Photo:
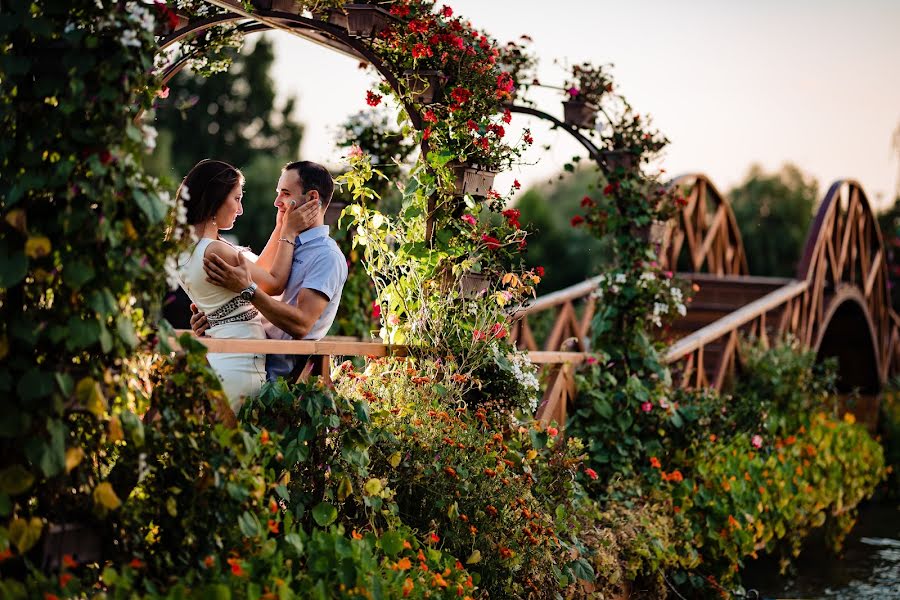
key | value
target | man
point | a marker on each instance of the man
(310, 300)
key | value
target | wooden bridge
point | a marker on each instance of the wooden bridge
(837, 305)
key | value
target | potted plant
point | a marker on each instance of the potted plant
(472, 179)
(425, 86)
(332, 15)
(620, 159)
(367, 20)
(585, 90)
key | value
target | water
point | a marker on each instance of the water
(867, 569)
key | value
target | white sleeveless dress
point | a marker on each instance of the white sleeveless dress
(229, 317)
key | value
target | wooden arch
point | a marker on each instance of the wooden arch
(707, 238)
(845, 249)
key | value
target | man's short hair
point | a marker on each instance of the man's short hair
(313, 176)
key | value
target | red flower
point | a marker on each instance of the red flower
(421, 51)
(586, 201)
(236, 567)
(539, 271)
(591, 473)
(478, 335)
(447, 11)
(505, 82)
(498, 331)
(209, 561)
(426, 134)
(492, 243)
(273, 526)
(433, 538)
(69, 562)
(376, 310)
(64, 579)
(430, 116)
(373, 99)
(516, 184)
(577, 220)
(460, 95)
(136, 563)
(552, 431)
(609, 189)
(528, 139)
(512, 216)
(400, 10)
(418, 26)
(106, 157)
(507, 116)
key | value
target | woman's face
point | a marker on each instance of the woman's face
(231, 208)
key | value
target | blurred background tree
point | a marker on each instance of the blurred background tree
(773, 212)
(568, 254)
(231, 116)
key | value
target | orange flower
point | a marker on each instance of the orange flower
(356, 535)
(433, 538)
(402, 565)
(654, 462)
(273, 526)
(264, 436)
(733, 523)
(491, 510)
(7, 553)
(49, 596)
(209, 562)
(438, 581)
(68, 561)
(407, 587)
(236, 567)
(450, 471)
(407, 545)
(712, 437)
(136, 563)
(273, 506)
(506, 552)
(552, 431)
(790, 440)
(676, 476)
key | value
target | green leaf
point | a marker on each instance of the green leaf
(362, 411)
(295, 543)
(13, 267)
(324, 514)
(24, 534)
(35, 384)
(392, 543)
(15, 479)
(152, 206)
(249, 524)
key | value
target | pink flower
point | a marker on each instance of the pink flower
(163, 92)
(591, 473)
(356, 151)
(552, 431)
(478, 335)
(469, 219)
(376, 310)
(756, 442)
(591, 360)
(572, 91)
(646, 407)
(498, 331)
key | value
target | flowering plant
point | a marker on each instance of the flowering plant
(517, 59)
(589, 84)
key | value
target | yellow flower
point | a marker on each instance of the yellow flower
(850, 418)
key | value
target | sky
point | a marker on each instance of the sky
(730, 82)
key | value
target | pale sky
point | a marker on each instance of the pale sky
(730, 82)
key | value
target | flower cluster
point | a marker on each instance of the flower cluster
(589, 84)
(651, 292)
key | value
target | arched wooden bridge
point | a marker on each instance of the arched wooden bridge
(838, 304)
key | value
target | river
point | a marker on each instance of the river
(868, 568)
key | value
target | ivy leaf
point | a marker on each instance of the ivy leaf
(15, 480)
(13, 267)
(105, 496)
(25, 534)
(324, 514)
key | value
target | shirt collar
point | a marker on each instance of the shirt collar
(313, 233)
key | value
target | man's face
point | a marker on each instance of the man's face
(289, 188)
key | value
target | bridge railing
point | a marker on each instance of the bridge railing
(559, 367)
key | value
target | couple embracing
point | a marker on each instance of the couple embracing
(291, 290)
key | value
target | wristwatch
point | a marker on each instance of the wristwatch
(248, 293)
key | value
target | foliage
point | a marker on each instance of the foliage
(889, 428)
(742, 498)
(517, 59)
(773, 212)
(889, 224)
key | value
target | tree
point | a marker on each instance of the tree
(569, 255)
(773, 212)
(231, 116)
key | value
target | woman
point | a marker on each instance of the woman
(212, 194)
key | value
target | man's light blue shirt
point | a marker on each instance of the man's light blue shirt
(318, 265)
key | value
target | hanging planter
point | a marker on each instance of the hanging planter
(367, 20)
(425, 87)
(579, 114)
(472, 285)
(288, 6)
(620, 159)
(333, 16)
(472, 180)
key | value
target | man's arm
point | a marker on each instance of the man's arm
(296, 321)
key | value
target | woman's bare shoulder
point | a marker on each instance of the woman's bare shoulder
(223, 250)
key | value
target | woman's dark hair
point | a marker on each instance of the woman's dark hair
(313, 176)
(208, 185)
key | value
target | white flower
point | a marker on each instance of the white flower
(681, 308)
(647, 276)
(614, 289)
(621, 278)
(150, 134)
(130, 38)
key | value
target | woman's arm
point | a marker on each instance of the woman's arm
(304, 217)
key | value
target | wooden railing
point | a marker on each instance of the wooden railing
(559, 367)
